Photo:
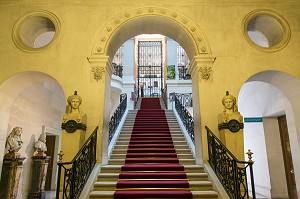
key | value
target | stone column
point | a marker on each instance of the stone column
(200, 69)
(100, 83)
(11, 174)
(39, 173)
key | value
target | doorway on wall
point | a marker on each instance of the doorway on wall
(287, 157)
(150, 76)
(50, 143)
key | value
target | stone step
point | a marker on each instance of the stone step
(178, 151)
(194, 186)
(126, 142)
(113, 177)
(123, 156)
(199, 182)
(187, 168)
(196, 195)
(116, 161)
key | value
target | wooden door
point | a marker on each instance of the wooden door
(287, 157)
(50, 142)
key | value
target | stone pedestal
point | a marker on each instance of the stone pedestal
(11, 174)
(234, 141)
(73, 137)
(39, 173)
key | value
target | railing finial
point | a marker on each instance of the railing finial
(249, 153)
(60, 155)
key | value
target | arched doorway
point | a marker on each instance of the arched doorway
(149, 20)
(265, 100)
(35, 102)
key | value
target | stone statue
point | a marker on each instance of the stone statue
(40, 146)
(230, 125)
(230, 110)
(13, 141)
(73, 112)
(74, 119)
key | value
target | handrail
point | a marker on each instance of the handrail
(77, 172)
(185, 117)
(231, 172)
(117, 116)
(164, 97)
(118, 70)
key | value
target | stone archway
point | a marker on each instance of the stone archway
(268, 95)
(36, 102)
(150, 20)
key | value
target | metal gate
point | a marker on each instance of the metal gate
(150, 71)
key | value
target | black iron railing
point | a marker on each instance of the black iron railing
(232, 173)
(118, 70)
(184, 115)
(182, 73)
(186, 99)
(164, 97)
(76, 173)
(117, 116)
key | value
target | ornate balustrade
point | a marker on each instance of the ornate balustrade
(182, 73)
(164, 97)
(75, 174)
(117, 116)
(184, 115)
(118, 70)
(234, 175)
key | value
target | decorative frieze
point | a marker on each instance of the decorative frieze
(101, 44)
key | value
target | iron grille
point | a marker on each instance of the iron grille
(150, 70)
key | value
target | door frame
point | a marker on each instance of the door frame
(57, 133)
(287, 157)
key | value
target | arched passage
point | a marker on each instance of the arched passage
(149, 20)
(35, 102)
(269, 95)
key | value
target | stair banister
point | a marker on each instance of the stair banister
(77, 172)
(117, 116)
(231, 172)
(184, 115)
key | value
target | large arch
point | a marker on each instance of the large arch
(149, 20)
(268, 95)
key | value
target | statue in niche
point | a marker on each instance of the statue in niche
(74, 118)
(40, 146)
(230, 118)
(14, 141)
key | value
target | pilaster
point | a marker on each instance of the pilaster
(200, 69)
(101, 71)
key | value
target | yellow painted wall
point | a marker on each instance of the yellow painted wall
(95, 29)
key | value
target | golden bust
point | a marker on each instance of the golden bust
(73, 111)
(230, 110)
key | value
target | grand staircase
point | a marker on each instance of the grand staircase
(109, 179)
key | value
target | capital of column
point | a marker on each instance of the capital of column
(201, 64)
(100, 64)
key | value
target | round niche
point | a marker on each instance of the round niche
(36, 31)
(266, 30)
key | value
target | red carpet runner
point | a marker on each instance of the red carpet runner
(151, 169)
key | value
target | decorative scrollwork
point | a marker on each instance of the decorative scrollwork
(231, 172)
(98, 73)
(77, 172)
(117, 116)
(182, 101)
(206, 71)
